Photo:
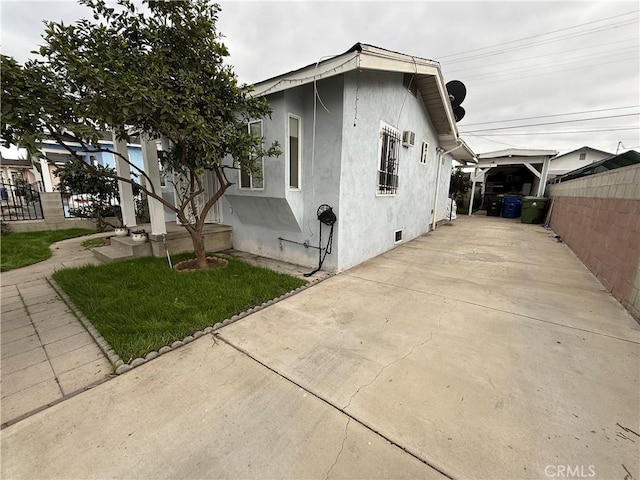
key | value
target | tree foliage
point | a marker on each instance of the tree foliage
(100, 192)
(460, 183)
(157, 71)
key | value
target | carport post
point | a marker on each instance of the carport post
(543, 177)
(473, 190)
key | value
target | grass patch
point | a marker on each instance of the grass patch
(26, 248)
(142, 305)
(94, 242)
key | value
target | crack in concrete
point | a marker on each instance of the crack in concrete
(346, 434)
(399, 359)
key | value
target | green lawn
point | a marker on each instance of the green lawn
(141, 305)
(26, 248)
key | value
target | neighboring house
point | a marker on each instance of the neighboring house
(370, 133)
(14, 168)
(567, 162)
(55, 156)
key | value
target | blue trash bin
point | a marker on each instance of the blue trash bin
(511, 206)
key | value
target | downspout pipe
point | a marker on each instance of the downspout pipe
(441, 154)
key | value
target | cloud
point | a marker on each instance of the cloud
(574, 73)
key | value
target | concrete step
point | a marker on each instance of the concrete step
(122, 248)
(110, 255)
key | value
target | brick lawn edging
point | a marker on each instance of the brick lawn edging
(121, 367)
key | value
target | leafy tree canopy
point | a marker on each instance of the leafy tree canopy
(460, 182)
(156, 70)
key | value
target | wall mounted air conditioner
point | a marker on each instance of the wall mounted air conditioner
(408, 138)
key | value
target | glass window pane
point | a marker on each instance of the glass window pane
(294, 134)
(257, 177)
(245, 179)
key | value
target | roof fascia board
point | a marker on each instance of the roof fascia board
(371, 61)
(444, 96)
(325, 69)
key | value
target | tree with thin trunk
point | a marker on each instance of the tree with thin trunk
(155, 71)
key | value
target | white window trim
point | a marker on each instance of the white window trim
(299, 187)
(251, 187)
(424, 153)
(377, 170)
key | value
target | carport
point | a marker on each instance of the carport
(518, 171)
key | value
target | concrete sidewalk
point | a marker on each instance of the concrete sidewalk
(47, 353)
(482, 350)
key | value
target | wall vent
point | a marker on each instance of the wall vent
(408, 138)
(398, 236)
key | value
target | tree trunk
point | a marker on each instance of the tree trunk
(198, 247)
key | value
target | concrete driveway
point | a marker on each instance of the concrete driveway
(482, 350)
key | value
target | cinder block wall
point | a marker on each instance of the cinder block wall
(53, 217)
(598, 217)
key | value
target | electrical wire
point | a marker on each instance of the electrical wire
(537, 44)
(511, 61)
(592, 59)
(553, 123)
(518, 77)
(557, 132)
(415, 68)
(552, 115)
(501, 44)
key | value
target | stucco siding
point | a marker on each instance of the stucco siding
(259, 217)
(368, 221)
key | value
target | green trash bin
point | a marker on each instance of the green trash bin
(533, 209)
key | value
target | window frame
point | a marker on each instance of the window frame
(261, 159)
(424, 153)
(388, 189)
(288, 140)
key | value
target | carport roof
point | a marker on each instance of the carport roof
(517, 152)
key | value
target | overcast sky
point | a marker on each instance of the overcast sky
(560, 61)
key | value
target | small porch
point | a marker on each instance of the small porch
(176, 239)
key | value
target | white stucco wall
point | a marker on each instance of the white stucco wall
(571, 161)
(368, 221)
(259, 217)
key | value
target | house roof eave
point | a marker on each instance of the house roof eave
(428, 77)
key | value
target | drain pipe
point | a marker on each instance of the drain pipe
(441, 154)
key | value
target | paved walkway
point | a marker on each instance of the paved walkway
(482, 350)
(47, 353)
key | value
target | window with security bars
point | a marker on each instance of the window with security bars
(388, 165)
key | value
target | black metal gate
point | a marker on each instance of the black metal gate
(20, 201)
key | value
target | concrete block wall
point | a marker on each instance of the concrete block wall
(54, 218)
(598, 217)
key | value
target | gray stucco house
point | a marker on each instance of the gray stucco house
(371, 133)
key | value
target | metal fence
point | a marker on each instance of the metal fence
(83, 205)
(20, 201)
